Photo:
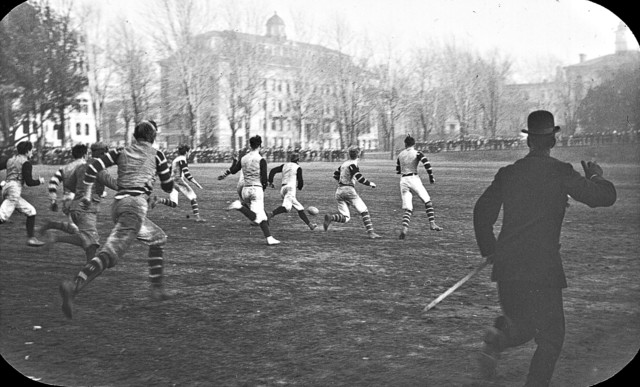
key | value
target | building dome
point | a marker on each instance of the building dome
(275, 27)
(275, 20)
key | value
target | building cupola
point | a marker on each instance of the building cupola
(275, 27)
(621, 38)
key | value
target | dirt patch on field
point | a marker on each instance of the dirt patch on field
(322, 308)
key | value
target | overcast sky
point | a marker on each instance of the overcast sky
(526, 30)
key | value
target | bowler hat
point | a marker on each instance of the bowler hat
(541, 122)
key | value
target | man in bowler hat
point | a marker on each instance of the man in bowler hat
(527, 267)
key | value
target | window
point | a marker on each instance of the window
(273, 125)
(78, 130)
(86, 129)
(25, 127)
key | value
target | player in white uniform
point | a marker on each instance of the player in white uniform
(291, 180)
(346, 194)
(180, 174)
(240, 184)
(410, 183)
(254, 170)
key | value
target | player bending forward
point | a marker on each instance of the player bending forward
(407, 167)
(180, 171)
(347, 174)
(137, 166)
(291, 180)
(19, 173)
(254, 170)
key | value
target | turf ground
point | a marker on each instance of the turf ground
(323, 308)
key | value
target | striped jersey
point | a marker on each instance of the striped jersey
(254, 169)
(180, 169)
(137, 166)
(62, 176)
(408, 162)
(348, 173)
(291, 174)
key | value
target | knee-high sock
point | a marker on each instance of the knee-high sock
(406, 219)
(431, 215)
(248, 213)
(90, 252)
(31, 224)
(91, 270)
(73, 239)
(156, 264)
(366, 219)
(194, 207)
(338, 218)
(167, 202)
(279, 210)
(303, 216)
(264, 226)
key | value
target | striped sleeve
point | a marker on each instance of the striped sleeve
(184, 167)
(427, 165)
(355, 172)
(54, 182)
(107, 160)
(164, 172)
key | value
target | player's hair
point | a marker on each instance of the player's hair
(409, 141)
(23, 147)
(541, 142)
(354, 153)
(145, 131)
(183, 149)
(79, 150)
(294, 157)
(255, 141)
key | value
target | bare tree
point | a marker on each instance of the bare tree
(493, 72)
(427, 90)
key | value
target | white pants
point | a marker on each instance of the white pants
(253, 197)
(410, 185)
(181, 186)
(11, 193)
(346, 196)
(289, 199)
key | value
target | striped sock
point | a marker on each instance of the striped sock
(194, 207)
(156, 264)
(430, 212)
(338, 218)
(366, 219)
(167, 202)
(406, 219)
(91, 270)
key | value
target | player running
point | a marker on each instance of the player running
(19, 172)
(410, 183)
(79, 153)
(346, 175)
(180, 171)
(254, 169)
(137, 166)
(291, 180)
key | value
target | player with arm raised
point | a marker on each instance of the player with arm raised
(234, 163)
(346, 175)
(291, 180)
(180, 172)
(410, 183)
(254, 169)
(137, 165)
(19, 172)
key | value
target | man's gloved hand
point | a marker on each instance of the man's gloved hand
(591, 169)
(221, 177)
(372, 185)
(54, 206)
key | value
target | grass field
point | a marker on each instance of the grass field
(323, 308)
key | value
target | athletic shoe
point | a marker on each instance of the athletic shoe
(327, 222)
(159, 294)
(373, 235)
(313, 226)
(154, 202)
(67, 291)
(402, 235)
(434, 226)
(34, 242)
(272, 241)
(235, 205)
(200, 220)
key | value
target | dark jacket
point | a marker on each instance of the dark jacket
(533, 195)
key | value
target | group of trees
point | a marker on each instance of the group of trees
(41, 69)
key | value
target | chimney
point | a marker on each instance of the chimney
(583, 57)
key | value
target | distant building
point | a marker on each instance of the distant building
(272, 110)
